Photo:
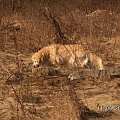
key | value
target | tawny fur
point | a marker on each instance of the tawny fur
(74, 55)
(94, 61)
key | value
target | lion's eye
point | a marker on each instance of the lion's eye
(35, 61)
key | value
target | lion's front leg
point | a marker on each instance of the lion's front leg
(72, 61)
(54, 59)
(85, 62)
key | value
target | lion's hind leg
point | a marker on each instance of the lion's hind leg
(100, 64)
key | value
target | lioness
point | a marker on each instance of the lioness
(74, 55)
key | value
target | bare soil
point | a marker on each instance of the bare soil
(43, 93)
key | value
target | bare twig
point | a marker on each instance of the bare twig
(60, 37)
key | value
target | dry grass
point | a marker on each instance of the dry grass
(43, 93)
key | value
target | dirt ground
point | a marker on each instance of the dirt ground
(42, 95)
(46, 93)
